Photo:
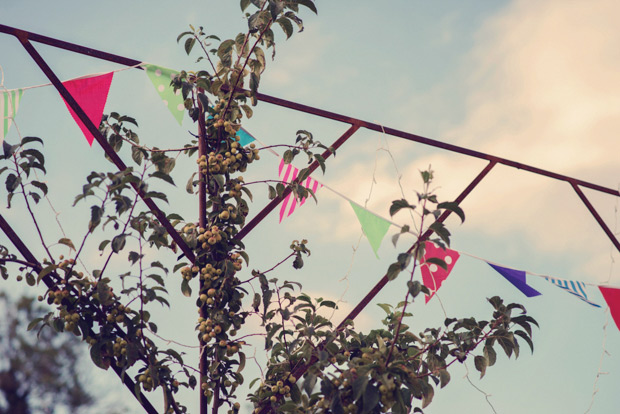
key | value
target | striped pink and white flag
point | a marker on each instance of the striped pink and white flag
(287, 173)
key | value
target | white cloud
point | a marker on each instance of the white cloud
(544, 90)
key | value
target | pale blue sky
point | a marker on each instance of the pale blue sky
(537, 82)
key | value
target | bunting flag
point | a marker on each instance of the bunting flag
(432, 274)
(245, 137)
(612, 297)
(574, 287)
(9, 103)
(161, 78)
(374, 227)
(517, 278)
(91, 94)
(288, 173)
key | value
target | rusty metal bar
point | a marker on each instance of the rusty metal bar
(373, 292)
(428, 141)
(298, 371)
(104, 144)
(597, 217)
(203, 363)
(23, 34)
(29, 257)
(276, 201)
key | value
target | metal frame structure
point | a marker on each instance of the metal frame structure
(26, 38)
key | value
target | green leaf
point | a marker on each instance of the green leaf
(527, 339)
(481, 364)
(118, 243)
(286, 25)
(96, 213)
(244, 4)
(33, 323)
(162, 176)
(415, 288)
(453, 207)
(437, 261)
(45, 271)
(189, 44)
(137, 155)
(444, 377)
(189, 187)
(12, 182)
(156, 194)
(308, 3)
(31, 139)
(441, 231)
(103, 244)
(95, 355)
(490, 355)
(398, 205)
(41, 186)
(370, 398)
(393, 271)
(428, 396)
(187, 291)
(34, 153)
(67, 242)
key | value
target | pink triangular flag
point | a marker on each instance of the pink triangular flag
(612, 297)
(288, 173)
(433, 275)
(91, 94)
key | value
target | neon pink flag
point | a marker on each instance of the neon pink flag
(612, 297)
(288, 173)
(433, 275)
(91, 94)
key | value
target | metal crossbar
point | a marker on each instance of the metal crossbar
(25, 38)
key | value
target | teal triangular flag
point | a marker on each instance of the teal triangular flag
(374, 227)
(161, 78)
(245, 137)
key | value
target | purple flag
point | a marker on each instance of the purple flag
(517, 278)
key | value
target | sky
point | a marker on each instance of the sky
(534, 82)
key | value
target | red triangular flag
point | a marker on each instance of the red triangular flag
(91, 94)
(612, 297)
(433, 275)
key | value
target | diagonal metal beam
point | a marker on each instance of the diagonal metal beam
(276, 201)
(104, 143)
(300, 370)
(431, 142)
(22, 34)
(72, 47)
(50, 283)
(597, 216)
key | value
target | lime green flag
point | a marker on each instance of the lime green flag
(9, 103)
(374, 227)
(161, 78)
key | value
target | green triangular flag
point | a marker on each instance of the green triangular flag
(161, 78)
(374, 227)
(9, 103)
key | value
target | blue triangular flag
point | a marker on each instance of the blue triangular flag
(517, 278)
(245, 137)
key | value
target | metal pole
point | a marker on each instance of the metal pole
(202, 222)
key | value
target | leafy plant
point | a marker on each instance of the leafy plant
(313, 367)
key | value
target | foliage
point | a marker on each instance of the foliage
(313, 367)
(38, 371)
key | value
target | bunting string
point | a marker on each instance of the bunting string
(71, 79)
(374, 226)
